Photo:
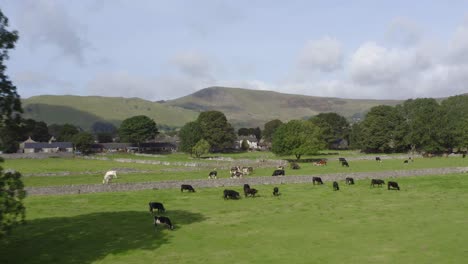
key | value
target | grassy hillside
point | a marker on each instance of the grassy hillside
(85, 110)
(254, 107)
(242, 107)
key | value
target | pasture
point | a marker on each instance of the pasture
(425, 222)
(69, 171)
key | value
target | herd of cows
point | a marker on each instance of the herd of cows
(238, 172)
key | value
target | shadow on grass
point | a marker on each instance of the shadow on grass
(88, 238)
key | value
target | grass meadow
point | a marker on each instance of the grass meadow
(425, 222)
(148, 172)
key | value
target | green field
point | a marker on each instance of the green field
(425, 222)
(76, 167)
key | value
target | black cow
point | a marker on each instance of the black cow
(278, 173)
(155, 205)
(186, 187)
(335, 186)
(276, 191)
(317, 180)
(231, 194)
(349, 181)
(377, 182)
(294, 166)
(464, 155)
(378, 159)
(246, 188)
(252, 192)
(162, 220)
(344, 163)
(213, 175)
(341, 159)
(405, 162)
(393, 185)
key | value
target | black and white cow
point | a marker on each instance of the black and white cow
(391, 185)
(162, 220)
(231, 194)
(186, 187)
(278, 173)
(377, 182)
(156, 205)
(349, 180)
(317, 180)
(213, 175)
(276, 191)
(335, 186)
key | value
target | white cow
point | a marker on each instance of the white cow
(109, 176)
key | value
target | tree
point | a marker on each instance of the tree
(270, 128)
(103, 127)
(67, 132)
(426, 124)
(455, 112)
(83, 142)
(189, 136)
(10, 104)
(202, 147)
(12, 210)
(38, 131)
(297, 137)
(137, 129)
(104, 137)
(382, 130)
(216, 130)
(245, 145)
(333, 126)
(243, 132)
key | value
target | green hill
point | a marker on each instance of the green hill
(243, 107)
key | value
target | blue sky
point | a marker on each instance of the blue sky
(159, 50)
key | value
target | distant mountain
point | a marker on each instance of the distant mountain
(243, 107)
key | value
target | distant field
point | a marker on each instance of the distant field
(425, 222)
(76, 167)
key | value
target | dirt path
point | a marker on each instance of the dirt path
(120, 187)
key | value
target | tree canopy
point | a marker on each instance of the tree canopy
(83, 142)
(216, 130)
(137, 129)
(189, 135)
(297, 137)
(333, 127)
(270, 128)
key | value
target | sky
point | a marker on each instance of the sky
(161, 50)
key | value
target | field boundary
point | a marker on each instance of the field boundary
(121, 187)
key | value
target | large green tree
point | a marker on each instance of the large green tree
(202, 147)
(333, 126)
(427, 126)
(189, 135)
(137, 129)
(216, 130)
(67, 132)
(297, 137)
(382, 130)
(455, 111)
(83, 142)
(38, 131)
(270, 128)
(10, 104)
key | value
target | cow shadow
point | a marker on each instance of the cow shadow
(90, 237)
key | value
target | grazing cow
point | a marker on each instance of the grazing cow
(294, 166)
(345, 164)
(276, 191)
(186, 187)
(405, 162)
(237, 174)
(109, 176)
(320, 163)
(349, 181)
(317, 180)
(247, 170)
(246, 188)
(162, 220)
(393, 185)
(156, 205)
(278, 173)
(252, 192)
(464, 155)
(213, 175)
(341, 159)
(377, 182)
(335, 186)
(231, 194)
(378, 159)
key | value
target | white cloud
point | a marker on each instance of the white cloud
(194, 65)
(404, 31)
(324, 54)
(47, 22)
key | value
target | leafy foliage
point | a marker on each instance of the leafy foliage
(189, 135)
(202, 147)
(333, 127)
(12, 210)
(270, 128)
(83, 142)
(104, 137)
(137, 129)
(67, 132)
(216, 130)
(244, 145)
(297, 137)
